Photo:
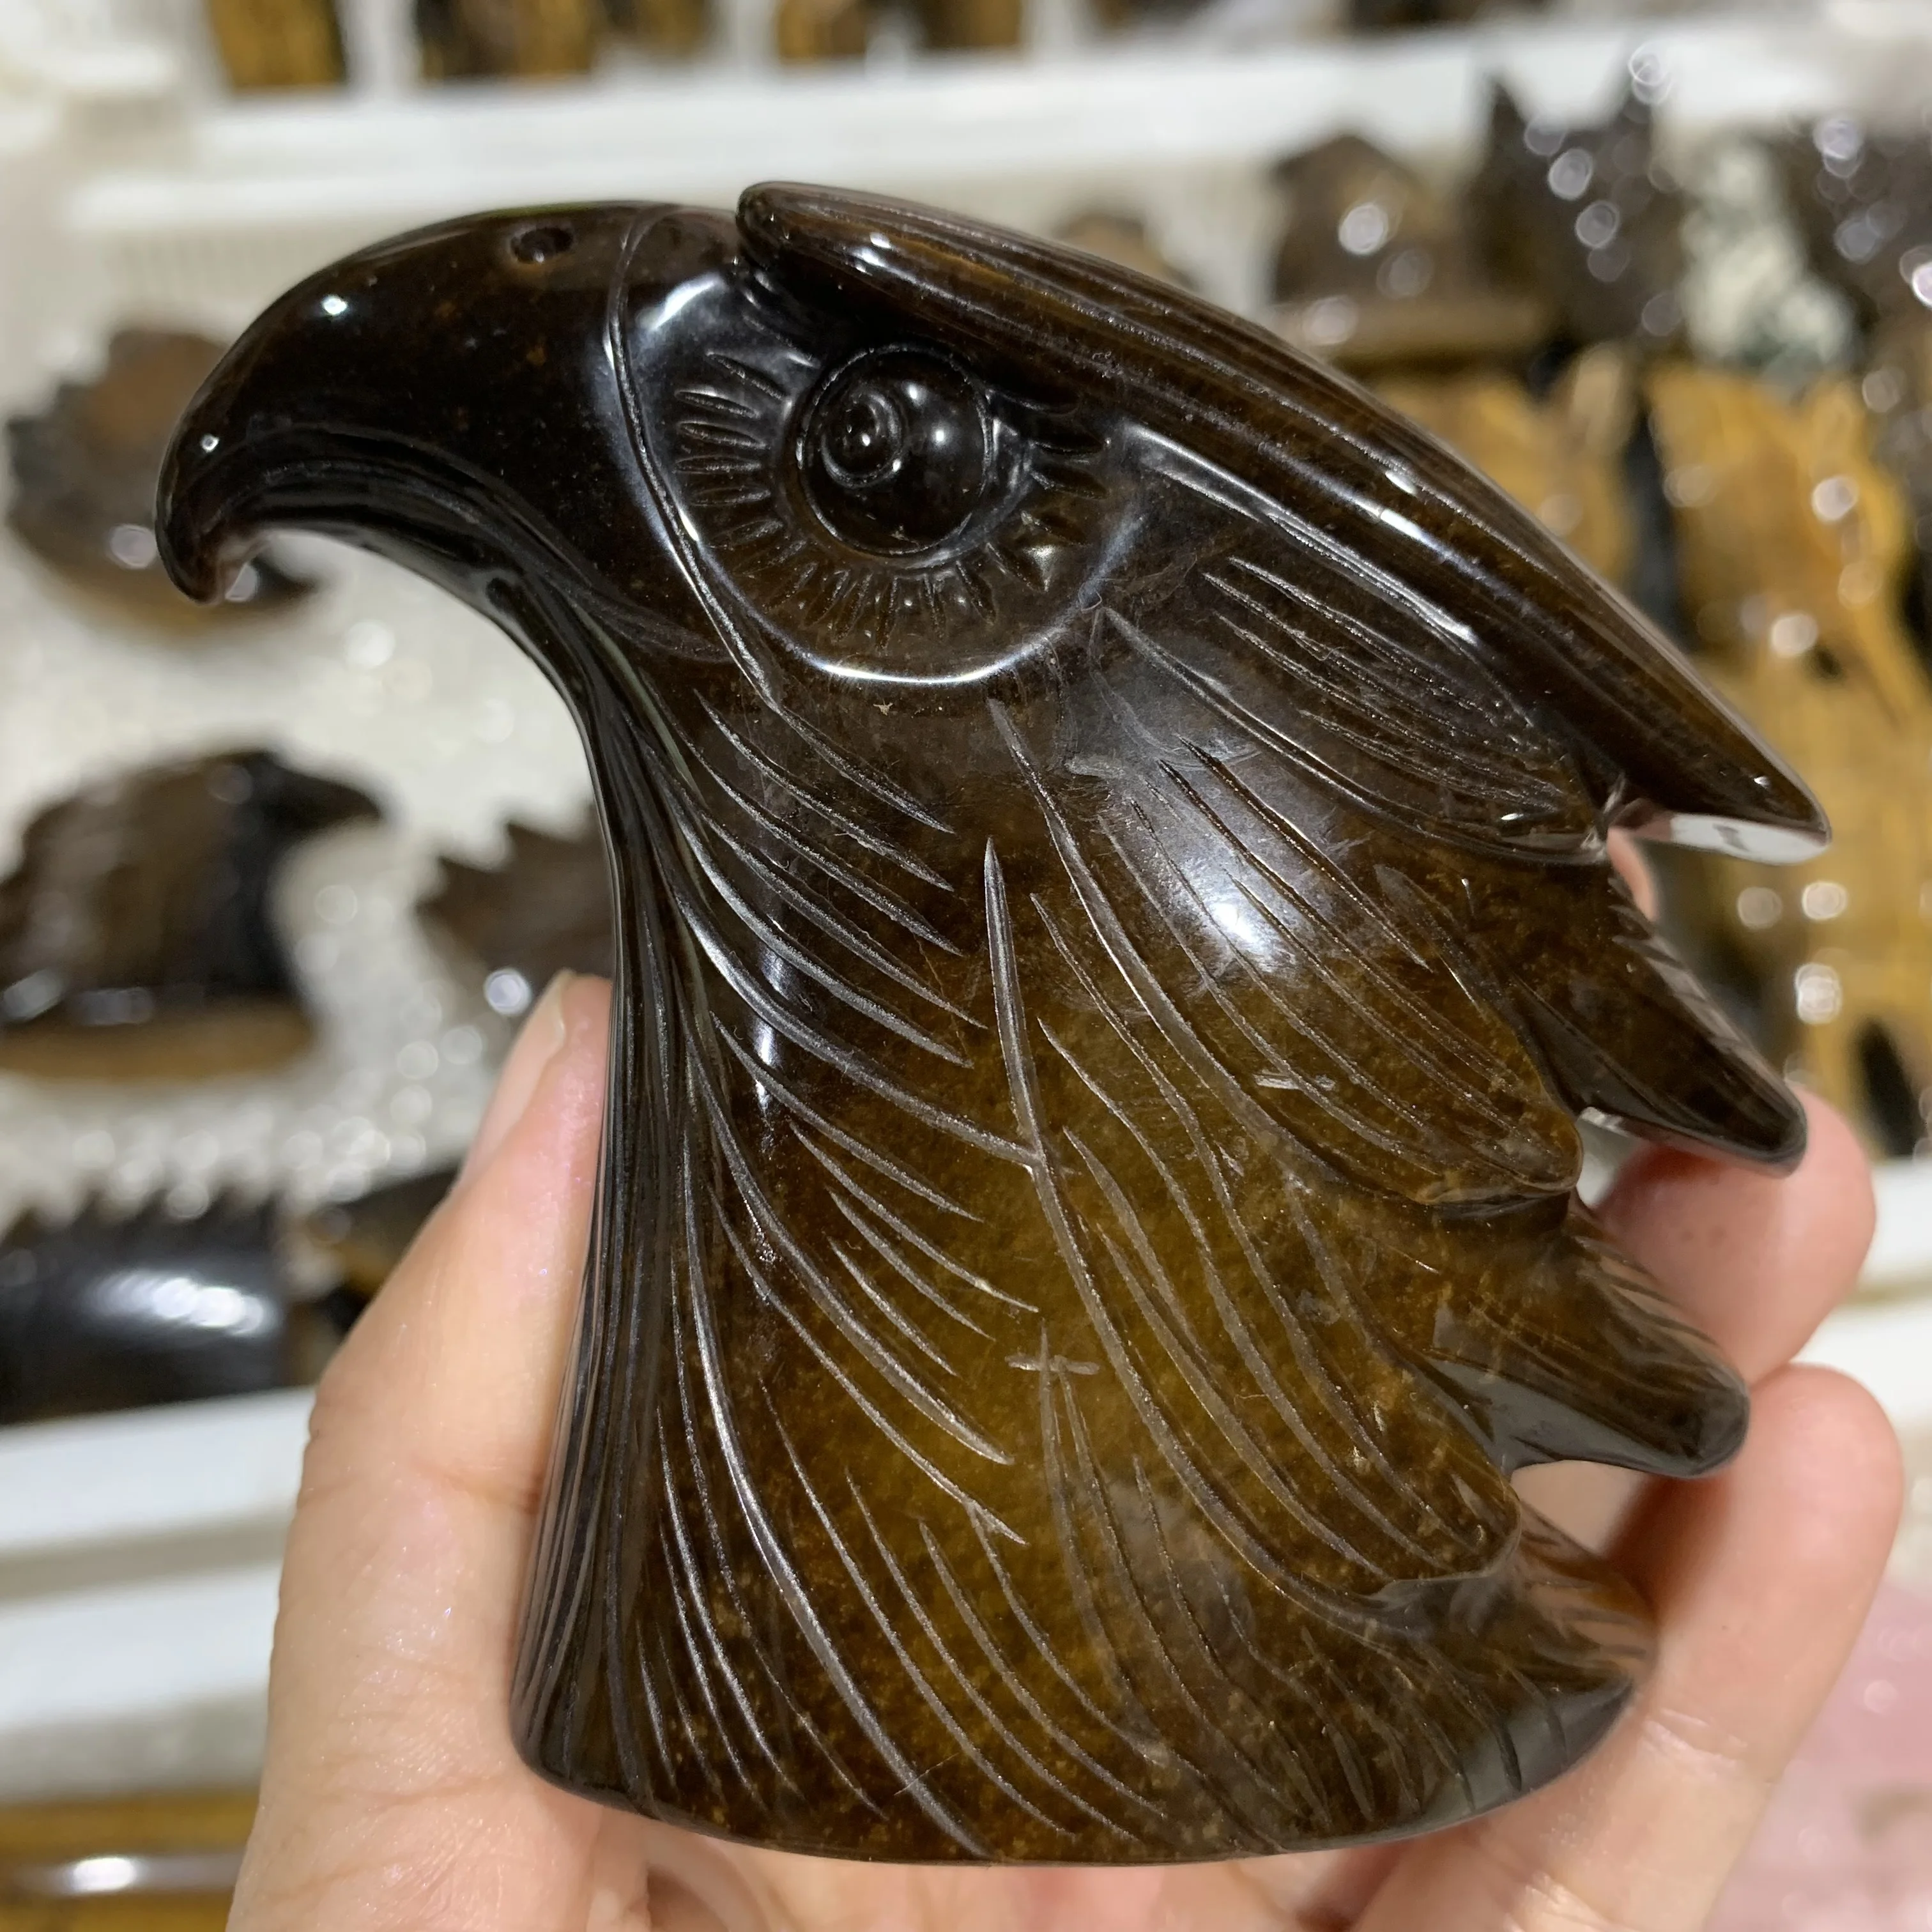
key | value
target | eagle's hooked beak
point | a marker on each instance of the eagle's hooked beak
(451, 399)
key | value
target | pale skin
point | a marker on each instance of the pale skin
(392, 1800)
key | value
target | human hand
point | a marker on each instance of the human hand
(392, 1797)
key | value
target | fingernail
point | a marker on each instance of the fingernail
(543, 1035)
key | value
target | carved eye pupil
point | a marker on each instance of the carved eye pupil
(895, 453)
(865, 441)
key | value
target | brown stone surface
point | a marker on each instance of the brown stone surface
(1792, 545)
(1114, 931)
(135, 941)
(85, 469)
(545, 910)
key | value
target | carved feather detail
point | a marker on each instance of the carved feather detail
(1113, 928)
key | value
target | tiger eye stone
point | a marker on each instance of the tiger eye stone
(1109, 957)
(1376, 270)
(84, 468)
(111, 1311)
(136, 939)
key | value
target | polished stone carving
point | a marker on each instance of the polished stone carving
(84, 473)
(110, 1311)
(1375, 269)
(136, 936)
(1586, 216)
(1113, 932)
(545, 910)
(1792, 543)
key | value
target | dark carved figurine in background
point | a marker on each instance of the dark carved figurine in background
(1113, 932)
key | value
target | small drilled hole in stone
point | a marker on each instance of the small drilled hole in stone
(542, 244)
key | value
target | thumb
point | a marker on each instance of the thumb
(391, 1794)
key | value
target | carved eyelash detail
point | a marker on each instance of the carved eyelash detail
(737, 430)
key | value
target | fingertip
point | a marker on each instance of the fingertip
(1811, 1507)
(1755, 1260)
(1837, 1457)
(1627, 856)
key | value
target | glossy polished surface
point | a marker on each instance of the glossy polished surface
(1376, 270)
(136, 936)
(108, 1311)
(545, 910)
(84, 473)
(1113, 931)
(1586, 217)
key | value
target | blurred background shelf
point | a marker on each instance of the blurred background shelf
(160, 200)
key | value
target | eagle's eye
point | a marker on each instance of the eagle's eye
(895, 452)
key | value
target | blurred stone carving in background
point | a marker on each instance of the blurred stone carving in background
(270, 43)
(1750, 298)
(470, 40)
(546, 911)
(671, 28)
(1376, 269)
(1586, 217)
(105, 1312)
(136, 936)
(84, 469)
(818, 30)
(1864, 198)
(1792, 543)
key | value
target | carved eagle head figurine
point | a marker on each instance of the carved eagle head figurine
(1107, 828)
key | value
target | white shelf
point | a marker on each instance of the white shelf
(137, 1687)
(219, 212)
(139, 1561)
(159, 1477)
